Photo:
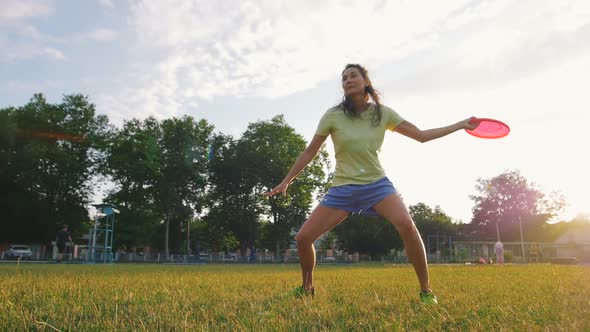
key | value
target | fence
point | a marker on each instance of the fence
(464, 253)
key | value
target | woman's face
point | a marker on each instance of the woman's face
(353, 82)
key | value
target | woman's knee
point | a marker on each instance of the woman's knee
(303, 239)
(406, 226)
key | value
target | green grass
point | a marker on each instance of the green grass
(244, 297)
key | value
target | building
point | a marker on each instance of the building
(574, 243)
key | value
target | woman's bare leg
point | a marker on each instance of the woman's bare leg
(393, 209)
(321, 220)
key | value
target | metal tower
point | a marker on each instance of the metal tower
(100, 241)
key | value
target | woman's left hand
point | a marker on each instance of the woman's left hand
(469, 123)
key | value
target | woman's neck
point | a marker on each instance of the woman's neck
(358, 103)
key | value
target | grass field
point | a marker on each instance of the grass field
(252, 297)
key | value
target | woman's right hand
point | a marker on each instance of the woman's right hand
(308, 154)
(280, 189)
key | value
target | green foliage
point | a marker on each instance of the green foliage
(374, 236)
(328, 242)
(509, 199)
(431, 221)
(49, 154)
(553, 231)
(508, 256)
(165, 173)
(134, 164)
(183, 178)
(160, 169)
(270, 148)
(212, 236)
(235, 204)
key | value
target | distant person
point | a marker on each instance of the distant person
(357, 127)
(499, 247)
(62, 237)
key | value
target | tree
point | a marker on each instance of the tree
(234, 203)
(49, 154)
(328, 242)
(507, 202)
(161, 172)
(8, 130)
(210, 235)
(134, 163)
(374, 236)
(431, 221)
(183, 179)
(271, 148)
(554, 231)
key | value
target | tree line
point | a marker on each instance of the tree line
(179, 184)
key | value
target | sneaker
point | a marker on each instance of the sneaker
(301, 292)
(428, 297)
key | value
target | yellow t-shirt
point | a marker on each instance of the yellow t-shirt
(357, 143)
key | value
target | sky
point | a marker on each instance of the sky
(525, 62)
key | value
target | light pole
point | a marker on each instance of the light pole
(521, 237)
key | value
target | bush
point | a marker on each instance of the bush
(508, 256)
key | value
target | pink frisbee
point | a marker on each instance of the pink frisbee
(489, 128)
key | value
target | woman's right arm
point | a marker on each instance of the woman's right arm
(305, 158)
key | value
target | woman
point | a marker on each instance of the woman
(357, 128)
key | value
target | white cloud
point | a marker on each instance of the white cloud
(203, 49)
(38, 85)
(52, 52)
(21, 40)
(207, 49)
(16, 10)
(103, 34)
(30, 51)
(106, 3)
(277, 48)
(492, 43)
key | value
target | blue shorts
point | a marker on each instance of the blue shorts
(359, 198)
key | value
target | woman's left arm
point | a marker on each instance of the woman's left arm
(406, 128)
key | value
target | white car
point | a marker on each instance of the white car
(16, 251)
